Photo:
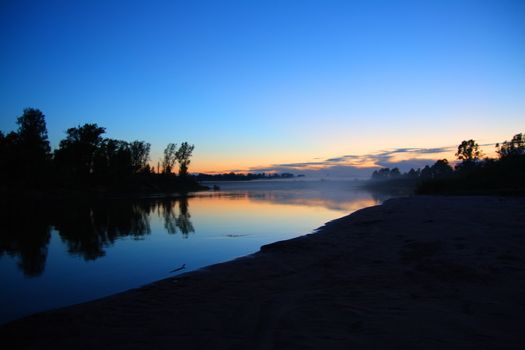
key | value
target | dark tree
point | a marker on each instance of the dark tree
(31, 151)
(441, 169)
(468, 151)
(32, 133)
(183, 157)
(170, 157)
(112, 160)
(395, 173)
(514, 147)
(381, 174)
(3, 158)
(9, 158)
(85, 160)
(76, 153)
(413, 174)
(139, 156)
(426, 173)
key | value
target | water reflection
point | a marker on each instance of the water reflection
(25, 234)
(86, 227)
(340, 195)
(183, 220)
(58, 253)
(173, 220)
(89, 227)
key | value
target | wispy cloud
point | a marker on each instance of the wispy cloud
(362, 165)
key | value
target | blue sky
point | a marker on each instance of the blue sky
(258, 84)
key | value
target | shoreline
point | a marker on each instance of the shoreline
(416, 272)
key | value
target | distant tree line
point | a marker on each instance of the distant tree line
(473, 174)
(241, 177)
(440, 169)
(84, 159)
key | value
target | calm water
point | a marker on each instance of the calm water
(57, 254)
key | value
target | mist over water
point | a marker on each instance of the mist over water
(339, 195)
(58, 253)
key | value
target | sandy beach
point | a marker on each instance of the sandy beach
(413, 273)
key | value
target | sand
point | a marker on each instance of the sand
(413, 273)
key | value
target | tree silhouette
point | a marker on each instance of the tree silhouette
(9, 158)
(85, 160)
(414, 174)
(139, 155)
(4, 158)
(77, 151)
(441, 169)
(183, 157)
(32, 131)
(170, 157)
(468, 151)
(395, 172)
(426, 173)
(112, 160)
(381, 174)
(30, 146)
(514, 147)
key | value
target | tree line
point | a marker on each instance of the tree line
(473, 172)
(242, 177)
(439, 169)
(84, 158)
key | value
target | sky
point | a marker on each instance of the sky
(316, 87)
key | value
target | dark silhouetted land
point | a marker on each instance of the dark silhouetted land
(413, 273)
(472, 175)
(242, 177)
(86, 163)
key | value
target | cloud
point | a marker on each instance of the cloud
(343, 158)
(352, 165)
(418, 150)
(305, 164)
(435, 150)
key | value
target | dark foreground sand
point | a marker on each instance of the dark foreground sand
(414, 273)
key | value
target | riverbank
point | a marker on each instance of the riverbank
(420, 272)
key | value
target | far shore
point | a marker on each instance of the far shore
(414, 273)
(97, 193)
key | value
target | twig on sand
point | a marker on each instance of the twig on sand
(180, 268)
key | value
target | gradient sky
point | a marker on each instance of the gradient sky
(271, 84)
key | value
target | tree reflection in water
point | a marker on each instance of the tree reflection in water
(87, 227)
(183, 221)
(25, 233)
(174, 221)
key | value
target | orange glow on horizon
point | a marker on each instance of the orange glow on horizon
(243, 164)
(242, 203)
